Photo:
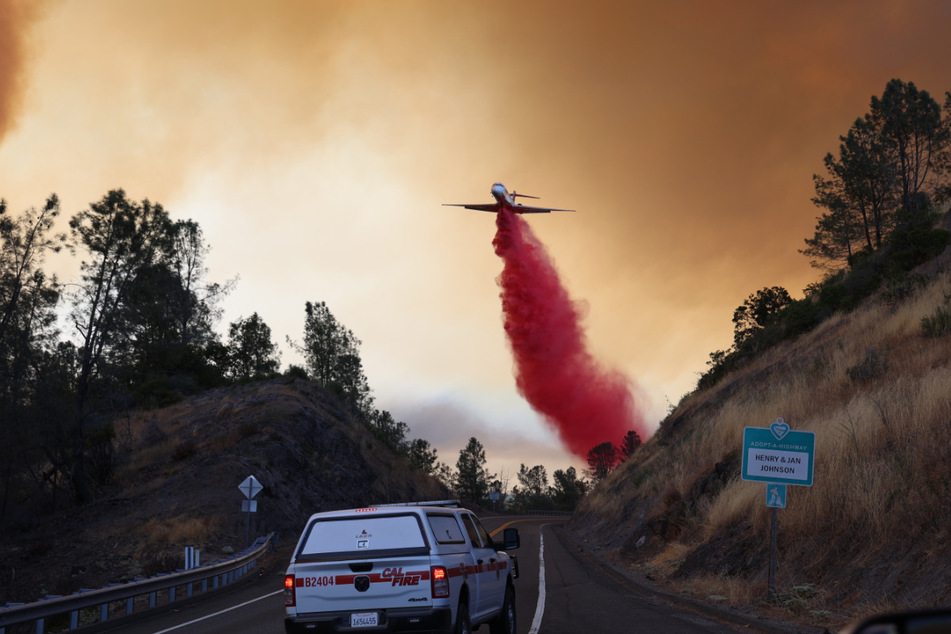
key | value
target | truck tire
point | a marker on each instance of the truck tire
(504, 623)
(463, 626)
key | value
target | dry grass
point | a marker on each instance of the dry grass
(877, 394)
(180, 530)
(722, 589)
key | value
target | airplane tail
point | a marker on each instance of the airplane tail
(517, 195)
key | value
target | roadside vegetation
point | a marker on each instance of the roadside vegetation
(863, 359)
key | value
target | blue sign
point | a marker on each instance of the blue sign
(776, 496)
(779, 455)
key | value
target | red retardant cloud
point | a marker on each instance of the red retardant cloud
(586, 403)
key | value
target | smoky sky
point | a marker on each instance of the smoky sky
(315, 142)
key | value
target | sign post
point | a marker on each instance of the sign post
(250, 486)
(778, 456)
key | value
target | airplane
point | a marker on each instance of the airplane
(505, 200)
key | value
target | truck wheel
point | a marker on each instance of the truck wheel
(504, 623)
(463, 626)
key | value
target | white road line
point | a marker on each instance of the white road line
(210, 616)
(540, 606)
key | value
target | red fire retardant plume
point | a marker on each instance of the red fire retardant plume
(586, 403)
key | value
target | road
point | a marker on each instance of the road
(579, 595)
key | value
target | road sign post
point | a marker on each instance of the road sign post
(778, 456)
(250, 486)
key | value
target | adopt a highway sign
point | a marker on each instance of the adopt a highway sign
(779, 455)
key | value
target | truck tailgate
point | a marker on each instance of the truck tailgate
(330, 586)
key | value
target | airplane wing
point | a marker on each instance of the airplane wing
(524, 209)
(493, 207)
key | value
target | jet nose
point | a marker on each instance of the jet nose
(498, 190)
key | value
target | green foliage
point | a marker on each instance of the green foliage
(756, 315)
(601, 460)
(872, 367)
(332, 355)
(568, 489)
(938, 323)
(902, 287)
(422, 456)
(251, 354)
(389, 431)
(471, 478)
(534, 483)
(296, 372)
(917, 246)
(629, 444)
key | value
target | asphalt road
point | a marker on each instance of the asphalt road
(579, 596)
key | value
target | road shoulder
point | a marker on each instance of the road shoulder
(638, 583)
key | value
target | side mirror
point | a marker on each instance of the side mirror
(510, 539)
(926, 622)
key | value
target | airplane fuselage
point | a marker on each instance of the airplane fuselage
(502, 195)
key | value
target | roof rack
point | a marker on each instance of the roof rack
(427, 503)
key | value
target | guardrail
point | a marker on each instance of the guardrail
(208, 577)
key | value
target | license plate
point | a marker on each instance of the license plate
(364, 619)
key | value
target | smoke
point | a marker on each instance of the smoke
(16, 16)
(586, 403)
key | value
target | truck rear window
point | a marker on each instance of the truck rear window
(446, 529)
(380, 536)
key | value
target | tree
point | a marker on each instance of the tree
(28, 298)
(629, 445)
(199, 306)
(756, 313)
(332, 355)
(251, 353)
(389, 431)
(887, 174)
(915, 135)
(121, 238)
(444, 474)
(859, 194)
(422, 457)
(535, 485)
(568, 489)
(601, 460)
(170, 346)
(472, 479)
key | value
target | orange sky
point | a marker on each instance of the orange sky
(314, 142)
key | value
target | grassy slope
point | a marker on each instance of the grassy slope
(873, 533)
(176, 485)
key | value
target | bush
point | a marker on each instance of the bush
(903, 287)
(917, 246)
(938, 323)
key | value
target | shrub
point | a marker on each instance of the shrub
(938, 323)
(873, 366)
(917, 246)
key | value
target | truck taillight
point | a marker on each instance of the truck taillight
(440, 579)
(290, 594)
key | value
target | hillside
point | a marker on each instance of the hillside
(177, 485)
(874, 531)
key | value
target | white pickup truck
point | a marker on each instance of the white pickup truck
(425, 567)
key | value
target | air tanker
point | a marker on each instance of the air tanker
(506, 200)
